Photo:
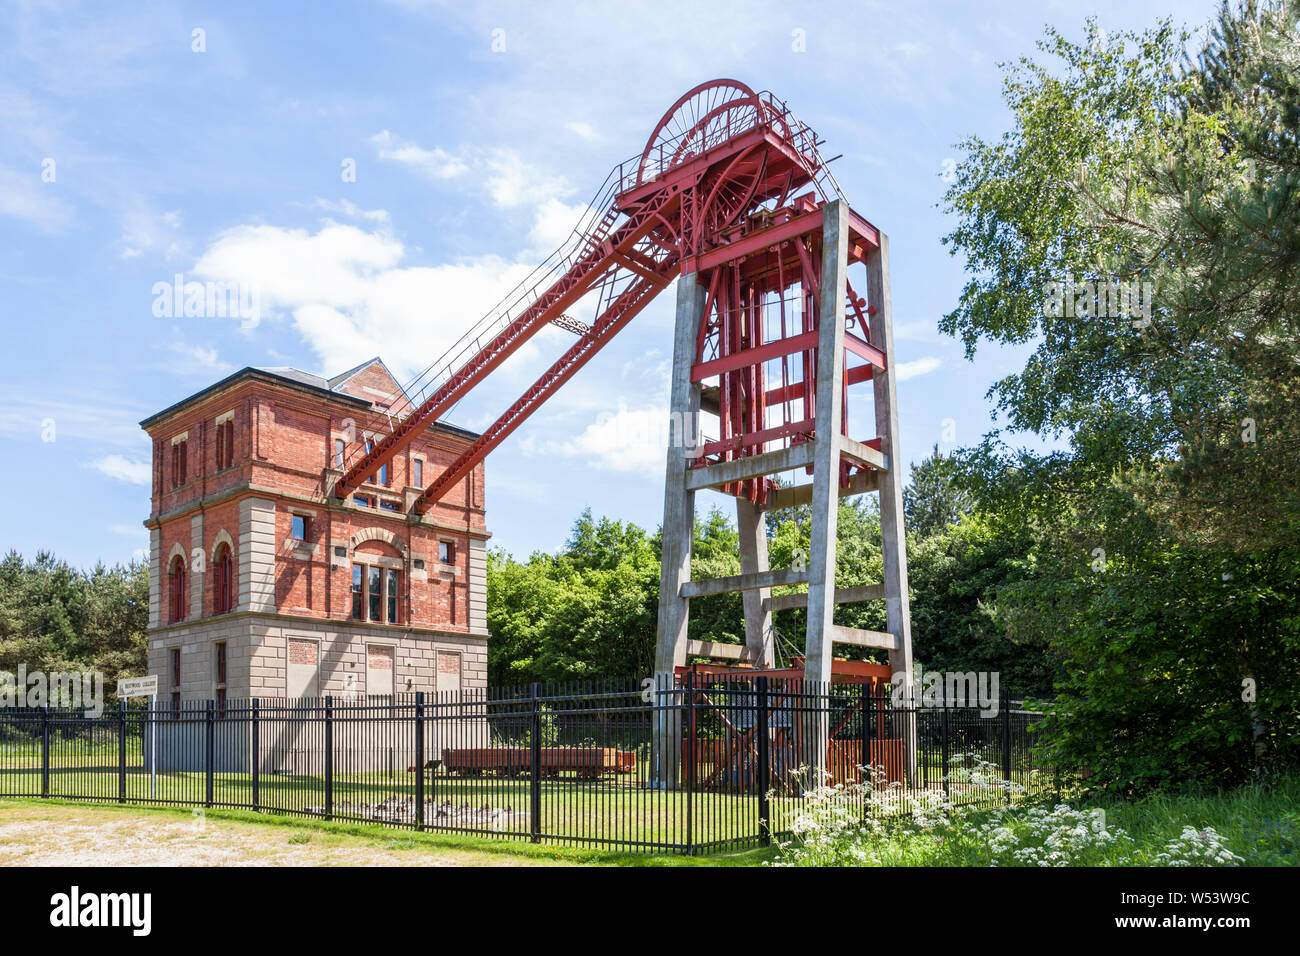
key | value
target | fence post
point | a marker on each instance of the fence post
(45, 751)
(689, 758)
(1006, 745)
(329, 757)
(764, 771)
(535, 767)
(944, 745)
(419, 759)
(208, 754)
(257, 754)
(121, 751)
(864, 735)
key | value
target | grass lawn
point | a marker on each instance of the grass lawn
(613, 807)
(44, 833)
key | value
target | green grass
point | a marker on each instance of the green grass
(618, 809)
(1262, 826)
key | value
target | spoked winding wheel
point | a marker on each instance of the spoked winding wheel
(702, 118)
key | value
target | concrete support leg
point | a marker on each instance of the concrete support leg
(678, 533)
(760, 641)
(898, 616)
(825, 493)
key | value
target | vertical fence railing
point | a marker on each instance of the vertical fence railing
(255, 751)
(209, 752)
(764, 770)
(420, 761)
(121, 751)
(702, 763)
(534, 764)
(689, 748)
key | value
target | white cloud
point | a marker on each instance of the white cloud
(190, 359)
(129, 530)
(512, 181)
(86, 414)
(629, 440)
(508, 179)
(350, 296)
(437, 162)
(145, 229)
(347, 207)
(922, 366)
(24, 196)
(553, 223)
(582, 130)
(917, 331)
(123, 469)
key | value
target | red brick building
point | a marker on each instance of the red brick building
(263, 584)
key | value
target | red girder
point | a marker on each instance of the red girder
(624, 308)
(568, 289)
(711, 193)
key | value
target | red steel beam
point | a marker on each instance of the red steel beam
(611, 321)
(737, 442)
(863, 349)
(756, 242)
(775, 349)
(793, 392)
(563, 293)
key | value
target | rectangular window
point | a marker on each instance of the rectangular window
(417, 472)
(391, 594)
(383, 474)
(375, 593)
(219, 675)
(390, 506)
(179, 462)
(361, 500)
(446, 552)
(298, 527)
(339, 447)
(225, 443)
(370, 446)
(176, 682)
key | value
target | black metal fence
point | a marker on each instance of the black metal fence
(698, 765)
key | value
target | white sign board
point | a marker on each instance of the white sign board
(137, 686)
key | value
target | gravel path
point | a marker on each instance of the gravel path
(88, 836)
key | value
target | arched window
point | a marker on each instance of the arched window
(179, 595)
(223, 582)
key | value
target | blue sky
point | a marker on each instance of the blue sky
(477, 133)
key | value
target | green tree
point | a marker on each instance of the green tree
(1131, 163)
(932, 500)
(55, 618)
